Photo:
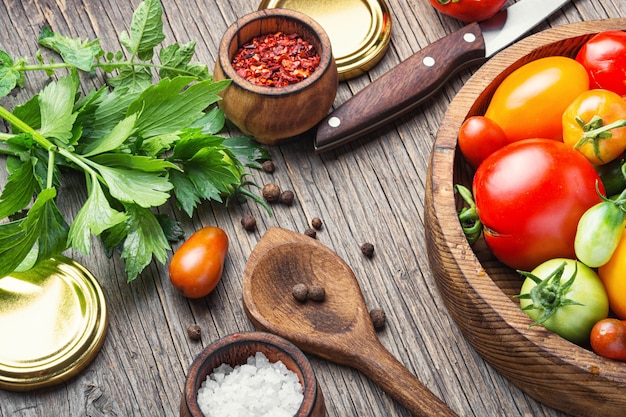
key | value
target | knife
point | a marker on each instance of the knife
(415, 79)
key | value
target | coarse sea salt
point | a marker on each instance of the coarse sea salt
(259, 388)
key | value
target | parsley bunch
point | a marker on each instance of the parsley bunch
(138, 142)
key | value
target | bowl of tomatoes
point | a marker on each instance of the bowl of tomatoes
(502, 223)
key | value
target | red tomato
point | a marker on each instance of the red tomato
(197, 266)
(604, 57)
(613, 276)
(608, 339)
(530, 102)
(468, 10)
(479, 137)
(529, 196)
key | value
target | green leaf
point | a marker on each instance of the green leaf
(146, 30)
(176, 59)
(114, 139)
(173, 104)
(135, 162)
(145, 189)
(56, 102)
(248, 152)
(94, 217)
(102, 115)
(156, 145)
(18, 238)
(131, 79)
(19, 190)
(211, 174)
(187, 198)
(212, 122)
(10, 77)
(74, 51)
(29, 113)
(53, 230)
(145, 239)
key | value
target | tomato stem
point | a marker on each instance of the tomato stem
(468, 216)
(549, 294)
(595, 130)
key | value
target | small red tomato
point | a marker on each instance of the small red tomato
(608, 339)
(468, 10)
(479, 137)
(197, 266)
(604, 57)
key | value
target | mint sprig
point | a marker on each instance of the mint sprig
(150, 133)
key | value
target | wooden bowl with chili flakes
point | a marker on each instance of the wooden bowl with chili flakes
(477, 289)
(286, 78)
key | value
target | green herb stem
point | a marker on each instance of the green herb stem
(11, 118)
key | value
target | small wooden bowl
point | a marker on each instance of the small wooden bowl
(272, 114)
(234, 350)
(478, 290)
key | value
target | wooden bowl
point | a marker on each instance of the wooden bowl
(235, 350)
(272, 114)
(478, 290)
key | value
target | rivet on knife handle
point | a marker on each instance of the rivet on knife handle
(402, 88)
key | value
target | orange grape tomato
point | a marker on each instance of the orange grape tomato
(613, 276)
(529, 103)
(196, 267)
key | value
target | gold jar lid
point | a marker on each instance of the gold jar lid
(359, 30)
(53, 319)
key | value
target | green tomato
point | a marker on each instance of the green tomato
(566, 297)
(599, 231)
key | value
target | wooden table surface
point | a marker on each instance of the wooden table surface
(371, 190)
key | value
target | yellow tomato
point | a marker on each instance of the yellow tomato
(613, 276)
(529, 103)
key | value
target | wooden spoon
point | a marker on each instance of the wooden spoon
(339, 328)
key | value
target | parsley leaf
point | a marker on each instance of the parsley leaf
(81, 54)
(56, 104)
(146, 30)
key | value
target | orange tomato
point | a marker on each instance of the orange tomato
(529, 103)
(594, 124)
(613, 276)
(196, 267)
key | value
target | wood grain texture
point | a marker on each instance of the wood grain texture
(370, 190)
(478, 290)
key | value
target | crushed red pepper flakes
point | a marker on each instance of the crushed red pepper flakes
(276, 60)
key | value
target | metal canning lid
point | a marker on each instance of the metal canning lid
(53, 319)
(359, 30)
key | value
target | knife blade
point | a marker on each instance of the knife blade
(415, 79)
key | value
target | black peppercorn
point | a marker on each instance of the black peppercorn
(194, 332)
(287, 197)
(316, 223)
(248, 222)
(271, 192)
(310, 233)
(378, 317)
(300, 292)
(317, 293)
(268, 166)
(367, 249)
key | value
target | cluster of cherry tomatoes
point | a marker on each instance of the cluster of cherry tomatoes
(541, 152)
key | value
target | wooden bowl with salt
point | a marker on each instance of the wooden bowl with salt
(275, 114)
(234, 350)
(478, 290)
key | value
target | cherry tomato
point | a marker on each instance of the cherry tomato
(604, 57)
(479, 137)
(529, 103)
(613, 276)
(196, 267)
(608, 339)
(530, 196)
(468, 10)
(566, 297)
(594, 123)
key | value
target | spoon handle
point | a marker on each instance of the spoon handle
(397, 381)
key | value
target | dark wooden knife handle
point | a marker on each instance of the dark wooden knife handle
(402, 88)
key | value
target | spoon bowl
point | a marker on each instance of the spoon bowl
(338, 328)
